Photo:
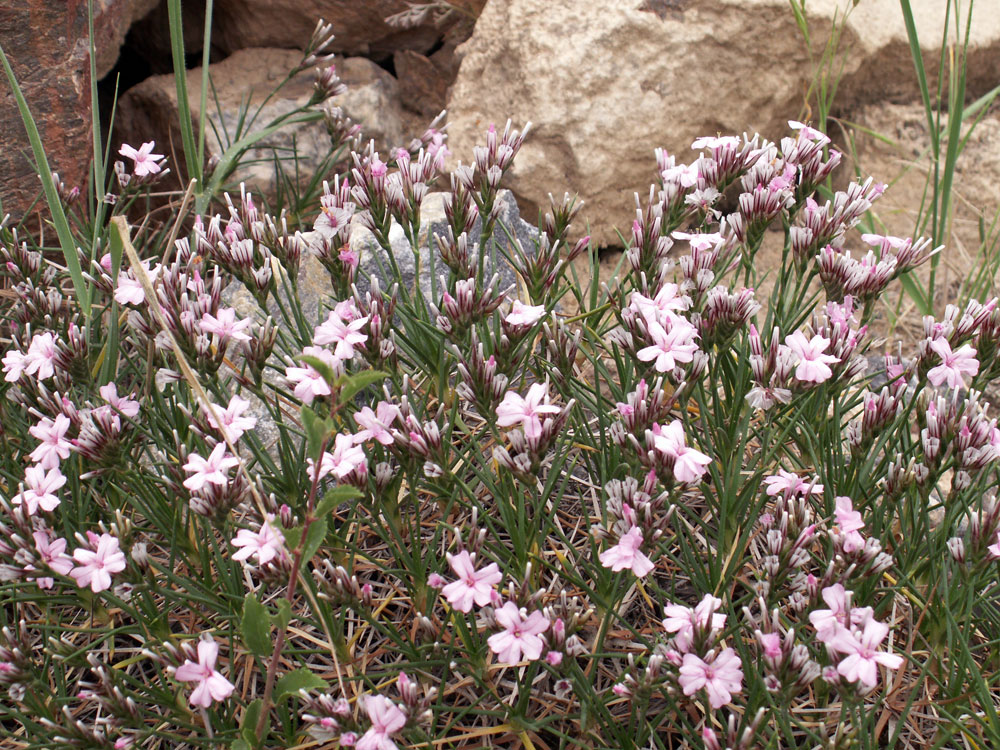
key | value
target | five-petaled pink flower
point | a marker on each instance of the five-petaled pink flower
(953, 364)
(689, 464)
(863, 656)
(225, 325)
(720, 677)
(375, 424)
(95, 566)
(626, 554)
(146, 162)
(683, 621)
(212, 686)
(527, 412)
(670, 348)
(850, 523)
(309, 383)
(345, 334)
(387, 718)
(234, 424)
(346, 457)
(521, 635)
(40, 359)
(472, 585)
(790, 484)
(41, 488)
(54, 446)
(125, 404)
(265, 544)
(813, 366)
(52, 552)
(524, 315)
(211, 470)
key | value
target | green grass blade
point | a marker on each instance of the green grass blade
(95, 114)
(232, 155)
(59, 220)
(180, 77)
(205, 49)
(918, 65)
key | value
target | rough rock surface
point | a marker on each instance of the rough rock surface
(424, 81)
(149, 110)
(47, 45)
(373, 258)
(360, 27)
(608, 81)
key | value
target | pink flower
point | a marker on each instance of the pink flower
(770, 643)
(41, 487)
(683, 621)
(376, 423)
(53, 554)
(266, 544)
(809, 134)
(346, 335)
(689, 464)
(126, 405)
(813, 365)
(863, 657)
(953, 364)
(626, 554)
(828, 622)
(700, 241)
(521, 635)
(669, 348)
(472, 585)
(715, 142)
(524, 315)
(95, 567)
(994, 549)
(850, 523)
(40, 359)
(885, 241)
(346, 457)
(129, 291)
(528, 411)
(146, 162)
(348, 256)
(720, 678)
(54, 446)
(666, 301)
(233, 424)
(387, 718)
(788, 484)
(212, 686)
(309, 383)
(212, 470)
(333, 220)
(225, 325)
(14, 363)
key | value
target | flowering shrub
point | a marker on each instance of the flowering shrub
(688, 513)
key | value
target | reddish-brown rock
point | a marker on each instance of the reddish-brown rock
(423, 81)
(360, 27)
(46, 42)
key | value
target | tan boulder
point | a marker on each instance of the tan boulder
(608, 81)
(148, 111)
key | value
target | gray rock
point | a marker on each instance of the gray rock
(374, 261)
